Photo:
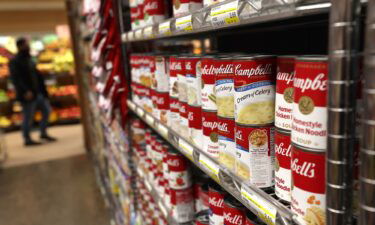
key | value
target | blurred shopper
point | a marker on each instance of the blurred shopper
(31, 92)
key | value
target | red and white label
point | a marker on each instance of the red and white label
(216, 201)
(284, 92)
(181, 79)
(182, 205)
(254, 96)
(162, 73)
(255, 154)
(195, 124)
(208, 84)
(309, 126)
(193, 73)
(154, 7)
(174, 113)
(154, 99)
(227, 144)
(283, 174)
(180, 7)
(184, 122)
(308, 188)
(224, 87)
(163, 106)
(210, 133)
(175, 67)
(179, 173)
(233, 216)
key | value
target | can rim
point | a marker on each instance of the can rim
(313, 58)
(306, 149)
(256, 125)
(283, 131)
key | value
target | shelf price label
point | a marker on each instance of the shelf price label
(130, 36)
(163, 130)
(140, 112)
(225, 14)
(150, 120)
(211, 167)
(165, 28)
(184, 23)
(138, 34)
(266, 211)
(186, 147)
(148, 32)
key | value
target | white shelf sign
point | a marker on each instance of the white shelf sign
(150, 120)
(184, 23)
(165, 28)
(186, 147)
(210, 166)
(225, 14)
(266, 211)
(140, 112)
(138, 34)
(130, 36)
(147, 32)
(163, 129)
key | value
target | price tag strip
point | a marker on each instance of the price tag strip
(225, 14)
(148, 32)
(211, 167)
(140, 112)
(186, 147)
(184, 23)
(266, 211)
(163, 130)
(150, 120)
(165, 28)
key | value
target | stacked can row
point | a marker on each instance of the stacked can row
(189, 198)
(227, 105)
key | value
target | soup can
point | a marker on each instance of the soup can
(208, 96)
(227, 144)
(284, 92)
(283, 174)
(255, 154)
(216, 201)
(309, 126)
(210, 133)
(254, 84)
(234, 212)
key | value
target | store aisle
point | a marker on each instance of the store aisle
(70, 143)
(59, 192)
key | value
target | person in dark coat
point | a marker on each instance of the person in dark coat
(30, 91)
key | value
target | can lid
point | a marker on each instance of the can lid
(254, 56)
(306, 149)
(313, 58)
(203, 216)
(233, 203)
(283, 131)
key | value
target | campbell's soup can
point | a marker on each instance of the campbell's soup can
(154, 11)
(162, 73)
(234, 212)
(255, 154)
(182, 202)
(309, 126)
(180, 7)
(154, 99)
(283, 174)
(193, 73)
(227, 144)
(140, 19)
(165, 164)
(224, 87)
(174, 113)
(179, 171)
(308, 185)
(208, 97)
(181, 80)
(201, 218)
(158, 154)
(175, 68)
(254, 83)
(162, 102)
(195, 5)
(195, 125)
(284, 92)
(184, 121)
(210, 133)
(203, 196)
(216, 200)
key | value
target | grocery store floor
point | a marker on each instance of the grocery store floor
(58, 189)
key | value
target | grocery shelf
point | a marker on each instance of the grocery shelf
(260, 202)
(228, 14)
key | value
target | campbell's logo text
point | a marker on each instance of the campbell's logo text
(175, 66)
(281, 150)
(209, 124)
(217, 202)
(233, 218)
(317, 84)
(223, 127)
(306, 169)
(173, 162)
(265, 69)
(283, 76)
